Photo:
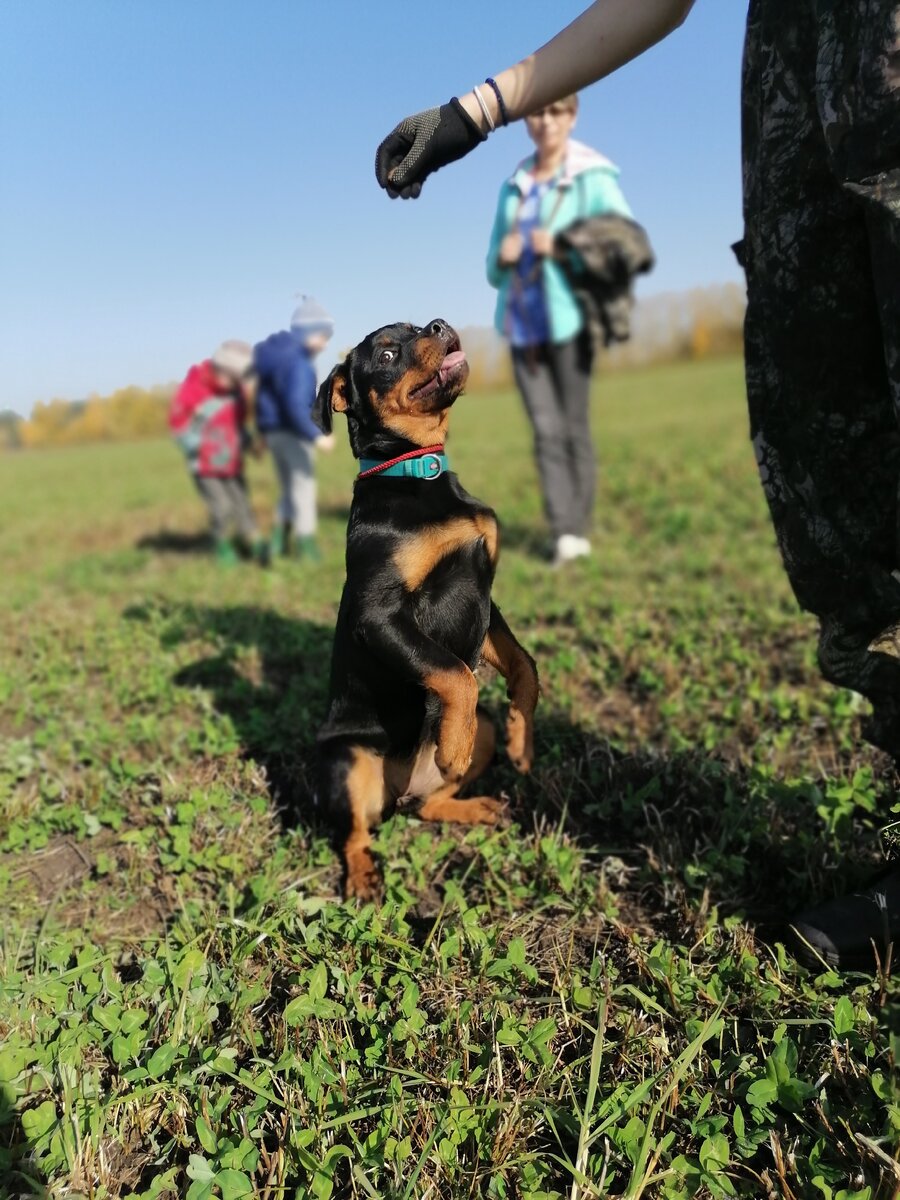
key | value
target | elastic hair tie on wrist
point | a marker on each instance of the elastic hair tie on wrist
(484, 108)
(501, 103)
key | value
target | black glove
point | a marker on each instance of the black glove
(422, 144)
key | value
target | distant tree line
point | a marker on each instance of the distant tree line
(128, 414)
(678, 327)
(704, 323)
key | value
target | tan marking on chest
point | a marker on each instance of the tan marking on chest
(418, 555)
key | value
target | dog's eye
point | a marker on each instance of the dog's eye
(386, 356)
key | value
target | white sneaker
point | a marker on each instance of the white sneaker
(569, 547)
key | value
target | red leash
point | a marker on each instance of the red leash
(400, 458)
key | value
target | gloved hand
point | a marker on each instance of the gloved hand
(423, 144)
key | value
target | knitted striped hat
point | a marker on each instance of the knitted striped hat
(310, 317)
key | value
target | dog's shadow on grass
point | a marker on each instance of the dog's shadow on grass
(692, 831)
(269, 674)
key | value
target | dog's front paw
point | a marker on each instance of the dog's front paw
(485, 810)
(519, 740)
(452, 765)
(363, 880)
(453, 755)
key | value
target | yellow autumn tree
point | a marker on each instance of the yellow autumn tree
(127, 414)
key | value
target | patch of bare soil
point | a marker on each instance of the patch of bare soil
(59, 865)
(51, 879)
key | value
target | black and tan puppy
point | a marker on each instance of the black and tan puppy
(416, 615)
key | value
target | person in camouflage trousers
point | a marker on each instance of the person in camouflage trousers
(821, 141)
(821, 250)
(821, 151)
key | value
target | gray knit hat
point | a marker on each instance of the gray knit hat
(310, 317)
(233, 358)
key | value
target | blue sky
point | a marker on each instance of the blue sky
(176, 173)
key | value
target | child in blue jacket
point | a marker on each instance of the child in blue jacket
(286, 391)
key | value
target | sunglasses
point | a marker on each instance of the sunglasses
(554, 110)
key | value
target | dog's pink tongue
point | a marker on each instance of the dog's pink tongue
(450, 363)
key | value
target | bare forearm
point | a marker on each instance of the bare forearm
(606, 35)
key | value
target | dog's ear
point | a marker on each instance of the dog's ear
(331, 397)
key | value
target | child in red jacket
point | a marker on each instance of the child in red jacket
(208, 418)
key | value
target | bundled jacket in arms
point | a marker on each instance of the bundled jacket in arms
(600, 256)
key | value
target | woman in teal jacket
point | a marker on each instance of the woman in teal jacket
(562, 182)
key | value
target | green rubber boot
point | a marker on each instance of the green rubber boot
(307, 549)
(226, 555)
(280, 540)
(262, 552)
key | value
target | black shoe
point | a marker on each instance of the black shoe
(846, 932)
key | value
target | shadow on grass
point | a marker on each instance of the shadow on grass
(16, 1174)
(691, 831)
(335, 511)
(269, 675)
(173, 541)
(527, 539)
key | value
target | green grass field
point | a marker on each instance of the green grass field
(591, 1001)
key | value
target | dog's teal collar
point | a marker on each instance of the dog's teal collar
(429, 463)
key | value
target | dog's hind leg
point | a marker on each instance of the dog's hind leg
(443, 804)
(354, 789)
